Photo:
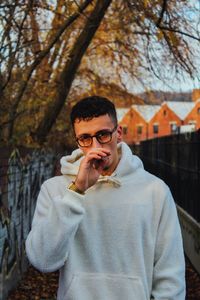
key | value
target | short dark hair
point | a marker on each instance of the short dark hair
(91, 107)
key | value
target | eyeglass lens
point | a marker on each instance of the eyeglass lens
(102, 137)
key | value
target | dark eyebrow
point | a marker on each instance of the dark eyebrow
(103, 130)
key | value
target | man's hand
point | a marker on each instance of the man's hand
(91, 168)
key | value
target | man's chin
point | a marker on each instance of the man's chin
(105, 166)
(105, 170)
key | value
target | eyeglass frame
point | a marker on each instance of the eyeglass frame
(96, 136)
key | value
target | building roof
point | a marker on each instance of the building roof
(146, 111)
(180, 108)
(121, 113)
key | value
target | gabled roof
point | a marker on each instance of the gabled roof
(146, 111)
(180, 108)
(121, 113)
(197, 101)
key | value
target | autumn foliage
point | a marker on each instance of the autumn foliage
(52, 53)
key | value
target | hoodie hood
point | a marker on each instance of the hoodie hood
(70, 163)
(128, 163)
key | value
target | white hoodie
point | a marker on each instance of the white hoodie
(121, 240)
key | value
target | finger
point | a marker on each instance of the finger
(106, 151)
(99, 152)
(92, 157)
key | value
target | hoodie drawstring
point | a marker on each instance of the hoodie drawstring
(110, 179)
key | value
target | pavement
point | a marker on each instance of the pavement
(43, 286)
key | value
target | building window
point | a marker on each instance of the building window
(192, 122)
(173, 127)
(124, 130)
(139, 129)
(155, 128)
(164, 112)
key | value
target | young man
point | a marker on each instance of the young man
(110, 227)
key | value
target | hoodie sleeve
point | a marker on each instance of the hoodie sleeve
(55, 222)
(169, 263)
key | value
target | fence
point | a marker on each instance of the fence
(176, 159)
(21, 173)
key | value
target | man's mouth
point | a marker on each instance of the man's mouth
(102, 162)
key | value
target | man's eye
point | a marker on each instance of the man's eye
(103, 133)
(84, 137)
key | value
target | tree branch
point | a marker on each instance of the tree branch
(164, 8)
(12, 57)
(3, 124)
(40, 57)
(69, 71)
(179, 31)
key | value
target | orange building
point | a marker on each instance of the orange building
(169, 118)
(142, 122)
(195, 95)
(135, 123)
(193, 117)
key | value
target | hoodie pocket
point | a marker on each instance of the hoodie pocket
(93, 286)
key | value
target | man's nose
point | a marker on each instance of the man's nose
(95, 142)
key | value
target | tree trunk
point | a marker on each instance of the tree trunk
(70, 69)
(37, 61)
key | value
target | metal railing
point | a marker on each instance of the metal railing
(176, 159)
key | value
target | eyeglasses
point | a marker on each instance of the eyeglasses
(103, 137)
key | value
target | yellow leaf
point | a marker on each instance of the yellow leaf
(159, 35)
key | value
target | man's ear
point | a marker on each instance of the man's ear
(119, 133)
